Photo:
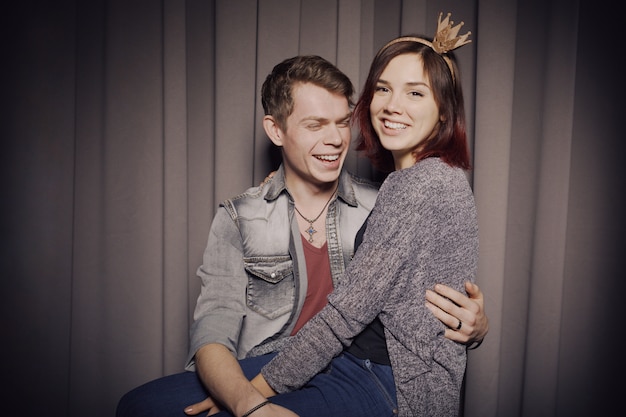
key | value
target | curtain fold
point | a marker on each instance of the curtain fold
(550, 236)
(125, 123)
(495, 46)
(175, 243)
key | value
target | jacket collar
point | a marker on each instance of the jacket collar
(276, 185)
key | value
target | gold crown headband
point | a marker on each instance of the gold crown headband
(445, 40)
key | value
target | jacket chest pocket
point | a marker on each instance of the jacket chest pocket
(271, 285)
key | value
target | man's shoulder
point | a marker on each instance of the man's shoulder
(362, 183)
(356, 191)
(252, 196)
(363, 187)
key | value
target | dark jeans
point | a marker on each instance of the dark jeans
(350, 387)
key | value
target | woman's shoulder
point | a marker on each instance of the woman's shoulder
(428, 171)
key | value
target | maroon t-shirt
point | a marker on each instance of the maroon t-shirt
(320, 283)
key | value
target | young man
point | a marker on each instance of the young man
(276, 251)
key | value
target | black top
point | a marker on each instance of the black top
(370, 343)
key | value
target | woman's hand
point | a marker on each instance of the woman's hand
(273, 410)
(207, 406)
(262, 386)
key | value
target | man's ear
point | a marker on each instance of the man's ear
(272, 130)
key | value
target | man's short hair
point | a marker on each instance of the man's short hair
(277, 90)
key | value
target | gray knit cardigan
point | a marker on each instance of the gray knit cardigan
(422, 230)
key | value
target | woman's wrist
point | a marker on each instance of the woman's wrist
(262, 386)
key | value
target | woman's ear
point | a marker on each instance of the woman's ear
(272, 130)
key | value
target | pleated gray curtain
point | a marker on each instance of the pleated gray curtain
(124, 124)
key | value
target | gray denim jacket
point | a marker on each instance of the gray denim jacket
(254, 274)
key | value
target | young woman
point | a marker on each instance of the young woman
(423, 229)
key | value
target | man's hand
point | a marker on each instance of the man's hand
(454, 309)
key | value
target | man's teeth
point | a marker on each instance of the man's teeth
(392, 125)
(329, 158)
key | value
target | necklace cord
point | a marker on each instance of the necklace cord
(311, 230)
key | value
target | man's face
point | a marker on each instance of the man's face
(317, 136)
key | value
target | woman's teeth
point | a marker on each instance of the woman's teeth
(392, 125)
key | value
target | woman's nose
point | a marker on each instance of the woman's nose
(392, 105)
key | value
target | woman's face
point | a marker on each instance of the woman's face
(403, 110)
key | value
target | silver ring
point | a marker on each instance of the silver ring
(459, 326)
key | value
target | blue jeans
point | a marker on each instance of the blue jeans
(350, 387)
